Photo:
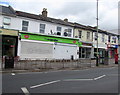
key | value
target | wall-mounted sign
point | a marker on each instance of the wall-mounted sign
(49, 38)
(26, 36)
(8, 32)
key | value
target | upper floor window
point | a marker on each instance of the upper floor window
(114, 39)
(109, 37)
(69, 32)
(88, 35)
(103, 37)
(59, 28)
(80, 33)
(25, 25)
(42, 28)
(6, 22)
(95, 36)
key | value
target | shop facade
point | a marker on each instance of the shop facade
(9, 46)
(37, 46)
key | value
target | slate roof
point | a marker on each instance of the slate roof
(8, 10)
(40, 17)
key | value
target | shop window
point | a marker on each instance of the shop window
(42, 28)
(6, 22)
(25, 25)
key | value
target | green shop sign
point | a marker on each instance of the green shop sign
(49, 38)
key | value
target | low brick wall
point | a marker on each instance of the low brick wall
(111, 61)
(53, 64)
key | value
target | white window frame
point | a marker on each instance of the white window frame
(25, 26)
(80, 33)
(88, 35)
(42, 28)
(69, 32)
(6, 24)
(103, 37)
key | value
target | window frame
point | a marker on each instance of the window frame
(6, 23)
(25, 26)
(58, 29)
(69, 32)
(88, 35)
(42, 28)
(80, 33)
(103, 37)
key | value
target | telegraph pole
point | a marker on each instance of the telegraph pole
(97, 64)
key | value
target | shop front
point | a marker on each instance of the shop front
(9, 46)
(37, 46)
(113, 52)
(85, 51)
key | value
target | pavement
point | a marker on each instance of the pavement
(90, 80)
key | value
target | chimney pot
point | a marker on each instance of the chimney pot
(44, 12)
(66, 20)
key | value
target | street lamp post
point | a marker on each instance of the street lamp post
(97, 36)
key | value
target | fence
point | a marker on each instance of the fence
(53, 64)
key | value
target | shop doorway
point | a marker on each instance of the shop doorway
(9, 50)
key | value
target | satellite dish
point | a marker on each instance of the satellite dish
(65, 34)
(58, 33)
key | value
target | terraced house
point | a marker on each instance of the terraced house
(37, 36)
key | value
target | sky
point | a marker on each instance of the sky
(80, 11)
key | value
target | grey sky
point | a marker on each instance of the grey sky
(81, 11)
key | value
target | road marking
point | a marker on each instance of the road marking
(13, 74)
(25, 91)
(77, 79)
(99, 77)
(44, 84)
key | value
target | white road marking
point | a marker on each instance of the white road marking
(77, 79)
(25, 91)
(99, 77)
(13, 74)
(44, 84)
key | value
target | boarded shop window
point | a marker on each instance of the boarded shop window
(42, 28)
(25, 25)
(6, 22)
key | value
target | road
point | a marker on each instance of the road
(94, 80)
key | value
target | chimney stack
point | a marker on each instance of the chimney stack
(44, 12)
(66, 20)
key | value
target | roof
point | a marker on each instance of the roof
(40, 17)
(8, 10)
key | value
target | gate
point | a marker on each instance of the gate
(9, 62)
